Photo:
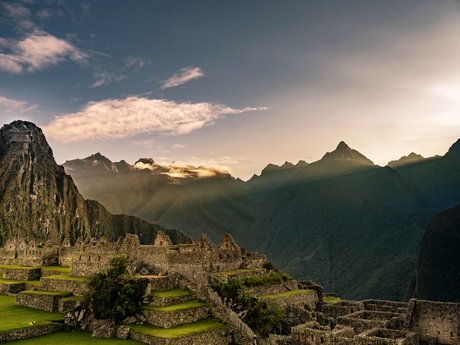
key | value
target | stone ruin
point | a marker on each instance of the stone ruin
(194, 260)
(312, 322)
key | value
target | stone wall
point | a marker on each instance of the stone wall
(221, 336)
(38, 301)
(365, 320)
(78, 288)
(28, 332)
(310, 299)
(307, 334)
(380, 336)
(21, 273)
(273, 288)
(164, 301)
(386, 306)
(175, 318)
(434, 321)
(65, 306)
(342, 308)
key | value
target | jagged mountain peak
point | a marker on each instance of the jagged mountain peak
(344, 153)
(409, 159)
(23, 136)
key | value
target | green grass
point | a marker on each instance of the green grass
(174, 292)
(16, 317)
(75, 337)
(68, 277)
(226, 273)
(179, 331)
(50, 293)
(62, 269)
(287, 293)
(17, 266)
(193, 303)
(72, 298)
(11, 281)
(328, 299)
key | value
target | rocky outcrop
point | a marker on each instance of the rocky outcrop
(38, 200)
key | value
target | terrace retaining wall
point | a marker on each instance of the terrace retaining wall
(28, 332)
(78, 288)
(221, 336)
(38, 301)
(175, 318)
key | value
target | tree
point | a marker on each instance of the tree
(113, 295)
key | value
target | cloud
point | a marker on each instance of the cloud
(119, 118)
(86, 8)
(178, 147)
(47, 13)
(136, 62)
(143, 143)
(104, 78)
(37, 51)
(186, 74)
(11, 104)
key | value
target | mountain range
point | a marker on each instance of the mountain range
(342, 221)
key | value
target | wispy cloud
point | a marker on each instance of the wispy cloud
(186, 74)
(47, 13)
(136, 62)
(118, 118)
(86, 8)
(143, 143)
(13, 105)
(178, 147)
(104, 78)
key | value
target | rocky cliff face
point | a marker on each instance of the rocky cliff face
(39, 200)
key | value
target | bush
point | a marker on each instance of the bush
(114, 296)
(264, 317)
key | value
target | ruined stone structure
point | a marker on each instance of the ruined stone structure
(194, 260)
(308, 319)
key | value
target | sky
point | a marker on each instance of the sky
(233, 84)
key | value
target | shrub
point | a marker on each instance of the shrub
(114, 296)
(262, 316)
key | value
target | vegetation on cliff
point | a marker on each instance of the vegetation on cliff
(113, 295)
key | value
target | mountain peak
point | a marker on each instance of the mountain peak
(344, 153)
(342, 146)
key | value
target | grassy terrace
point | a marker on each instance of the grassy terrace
(76, 337)
(288, 293)
(194, 303)
(18, 266)
(17, 317)
(175, 292)
(72, 298)
(229, 272)
(68, 277)
(50, 293)
(62, 269)
(328, 299)
(11, 281)
(179, 331)
(49, 268)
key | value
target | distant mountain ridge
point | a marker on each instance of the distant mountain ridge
(342, 221)
(38, 200)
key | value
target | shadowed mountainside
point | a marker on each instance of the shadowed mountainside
(436, 276)
(39, 200)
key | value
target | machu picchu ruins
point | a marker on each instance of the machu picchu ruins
(53, 278)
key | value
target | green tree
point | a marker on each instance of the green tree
(113, 295)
